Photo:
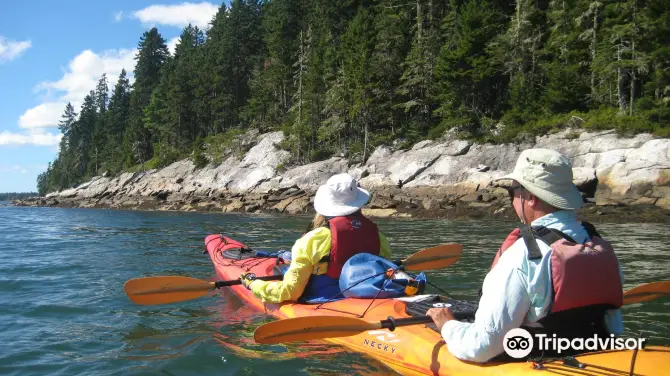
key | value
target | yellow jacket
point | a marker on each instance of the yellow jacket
(306, 256)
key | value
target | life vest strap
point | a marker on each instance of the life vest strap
(548, 235)
(531, 244)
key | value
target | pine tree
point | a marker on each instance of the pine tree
(43, 182)
(590, 21)
(152, 54)
(358, 46)
(389, 51)
(300, 108)
(99, 136)
(117, 122)
(469, 79)
(655, 22)
(65, 126)
(61, 173)
(85, 127)
(102, 94)
(417, 80)
(271, 84)
(183, 94)
(334, 126)
(521, 50)
(234, 42)
(567, 60)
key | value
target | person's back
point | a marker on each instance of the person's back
(533, 285)
(570, 294)
(339, 231)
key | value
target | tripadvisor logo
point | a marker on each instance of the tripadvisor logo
(518, 343)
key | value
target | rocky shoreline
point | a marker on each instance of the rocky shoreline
(380, 206)
(621, 179)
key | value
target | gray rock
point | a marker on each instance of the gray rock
(585, 179)
(431, 204)
(309, 177)
(610, 169)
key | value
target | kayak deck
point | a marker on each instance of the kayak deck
(418, 349)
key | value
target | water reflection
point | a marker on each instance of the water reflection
(235, 329)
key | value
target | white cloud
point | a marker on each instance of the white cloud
(38, 138)
(9, 49)
(43, 115)
(172, 45)
(81, 76)
(178, 15)
(118, 16)
(85, 71)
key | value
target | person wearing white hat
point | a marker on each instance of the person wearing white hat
(553, 274)
(339, 231)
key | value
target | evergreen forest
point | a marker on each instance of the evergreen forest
(346, 76)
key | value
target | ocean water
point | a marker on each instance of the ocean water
(63, 310)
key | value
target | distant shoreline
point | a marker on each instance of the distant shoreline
(11, 196)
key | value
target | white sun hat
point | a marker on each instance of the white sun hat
(547, 174)
(340, 196)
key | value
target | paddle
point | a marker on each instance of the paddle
(172, 289)
(320, 327)
(433, 258)
(646, 292)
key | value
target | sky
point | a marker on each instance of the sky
(54, 52)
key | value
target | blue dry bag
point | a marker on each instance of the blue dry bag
(366, 276)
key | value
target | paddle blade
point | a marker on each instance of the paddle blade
(437, 257)
(165, 289)
(647, 292)
(310, 328)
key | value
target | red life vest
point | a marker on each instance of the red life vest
(509, 240)
(350, 235)
(582, 274)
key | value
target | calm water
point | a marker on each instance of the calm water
(63, 310)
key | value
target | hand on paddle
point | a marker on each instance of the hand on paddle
(246, 279)
(440, 316)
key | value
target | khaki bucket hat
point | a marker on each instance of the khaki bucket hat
(548, 175)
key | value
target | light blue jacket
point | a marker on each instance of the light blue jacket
(516, 292)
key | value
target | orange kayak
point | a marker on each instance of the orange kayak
(419, 349)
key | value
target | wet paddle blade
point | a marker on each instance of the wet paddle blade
(165, 289)
(647, 292)
(433, 258)
(311, 328)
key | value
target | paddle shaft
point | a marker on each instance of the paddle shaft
(238, 281)
(194, 287)
(392, 323)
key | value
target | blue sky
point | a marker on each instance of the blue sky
(52, 52)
